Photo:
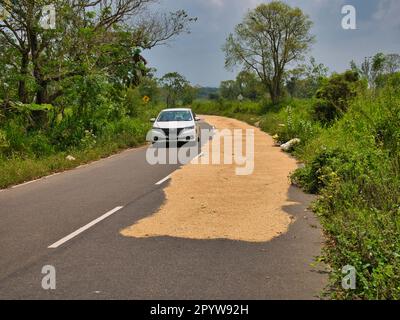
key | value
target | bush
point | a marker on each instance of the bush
(227, 107)
(133, 102)
(4, 143)
(335, 95)
(392, 80)
(291, 119)
(39, 145)
(16, 135)
(355, 168)
(319, 173)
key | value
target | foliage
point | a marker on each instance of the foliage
(88, 39)
(207, 93)
(248, 111)
(177, 90)
(304, 81)
(81, 88)
(229, 89)
(335, 95)
(354, 166)
(246, 84)
(149, 87)
(291, 119)
(372, 69)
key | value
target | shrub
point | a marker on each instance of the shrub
(4, 143)
(16, 134)
(228, 107)
(39, 144)
(335, 95)
(291, 120)
(319, 173)
(355, 168)
(392, 80)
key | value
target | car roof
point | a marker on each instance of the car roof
(177, 109)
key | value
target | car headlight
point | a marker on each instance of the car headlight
(189, 128)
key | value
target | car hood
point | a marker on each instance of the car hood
(173, 124)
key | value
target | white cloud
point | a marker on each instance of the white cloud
(388, 12)
(217, 3)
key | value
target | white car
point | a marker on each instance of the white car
(175, 125)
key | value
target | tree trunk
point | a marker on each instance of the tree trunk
(275, 90)
(41, 93)
(274, 94)
(40, 116)
(22, 94)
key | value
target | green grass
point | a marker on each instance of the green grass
(116, 136)
(354, 167)
(248, 111)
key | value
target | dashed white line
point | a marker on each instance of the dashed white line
(84, 228)
(163, 180)
(194, 160)
(169, 176)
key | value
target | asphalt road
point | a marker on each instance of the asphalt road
(99, 263)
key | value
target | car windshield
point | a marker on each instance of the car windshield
(179, 115)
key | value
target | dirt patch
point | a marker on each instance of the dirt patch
(212, 202)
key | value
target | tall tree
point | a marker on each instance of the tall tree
(174, 86)
(304, 81)
(249, 85)
(373, 68)
(269, 38)
(392, 64)
(89, 36)
(229, 89)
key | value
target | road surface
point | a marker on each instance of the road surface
(73, 221)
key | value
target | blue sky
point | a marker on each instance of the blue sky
(198, 56)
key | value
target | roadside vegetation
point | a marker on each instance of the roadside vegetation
(63, 103)
(82, 90)
(349, 130)
(352, 161)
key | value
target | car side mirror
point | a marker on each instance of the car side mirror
(197, 119)
(153, 120)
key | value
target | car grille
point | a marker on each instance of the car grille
(169, 132)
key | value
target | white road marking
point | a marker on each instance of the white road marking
(84, 228)
(169, 176)
(25, 183)
(194, 160)
(163, 180)
(53, 175)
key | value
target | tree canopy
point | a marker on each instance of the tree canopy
(90, 37)
(269, 38)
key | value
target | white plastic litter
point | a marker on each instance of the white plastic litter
(290, 144)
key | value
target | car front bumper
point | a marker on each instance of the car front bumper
(159, 135)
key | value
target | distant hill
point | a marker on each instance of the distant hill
(204, 92)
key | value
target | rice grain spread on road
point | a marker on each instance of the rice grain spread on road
(212, 202)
